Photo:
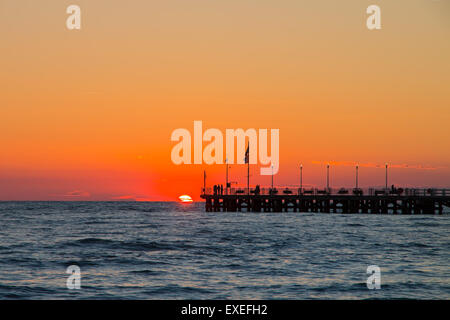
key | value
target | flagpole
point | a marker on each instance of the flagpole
(248, 177)
(247, 161)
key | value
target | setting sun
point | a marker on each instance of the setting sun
(185, 198)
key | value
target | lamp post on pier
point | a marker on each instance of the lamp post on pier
(328, 176)
(386, 180)
(356, 182)
(301, 177)
(272, 177)
(204, 181)
(226, 185)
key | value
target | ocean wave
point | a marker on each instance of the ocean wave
(178, 290)
(24, 292)
(355, 225)
(132, 207)
(128, 245)
(145, 272)
(427, 224)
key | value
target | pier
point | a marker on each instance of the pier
(369, 201)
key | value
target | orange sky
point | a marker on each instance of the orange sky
(88, 114)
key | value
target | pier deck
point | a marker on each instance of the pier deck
(409, 201)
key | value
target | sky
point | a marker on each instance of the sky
(88, 114)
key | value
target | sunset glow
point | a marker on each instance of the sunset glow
(88, 114)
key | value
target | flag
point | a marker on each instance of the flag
(247, 154)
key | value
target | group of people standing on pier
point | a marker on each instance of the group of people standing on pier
(218, 189)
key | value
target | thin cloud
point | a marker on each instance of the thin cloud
(77, 193)
(377, 165)
(130, 198)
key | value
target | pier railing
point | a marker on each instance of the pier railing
(397, 191)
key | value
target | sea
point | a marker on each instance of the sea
(168, 250)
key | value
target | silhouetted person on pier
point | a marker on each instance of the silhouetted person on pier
(215, 189)
(221, 189)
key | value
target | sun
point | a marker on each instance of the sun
(185, 198)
